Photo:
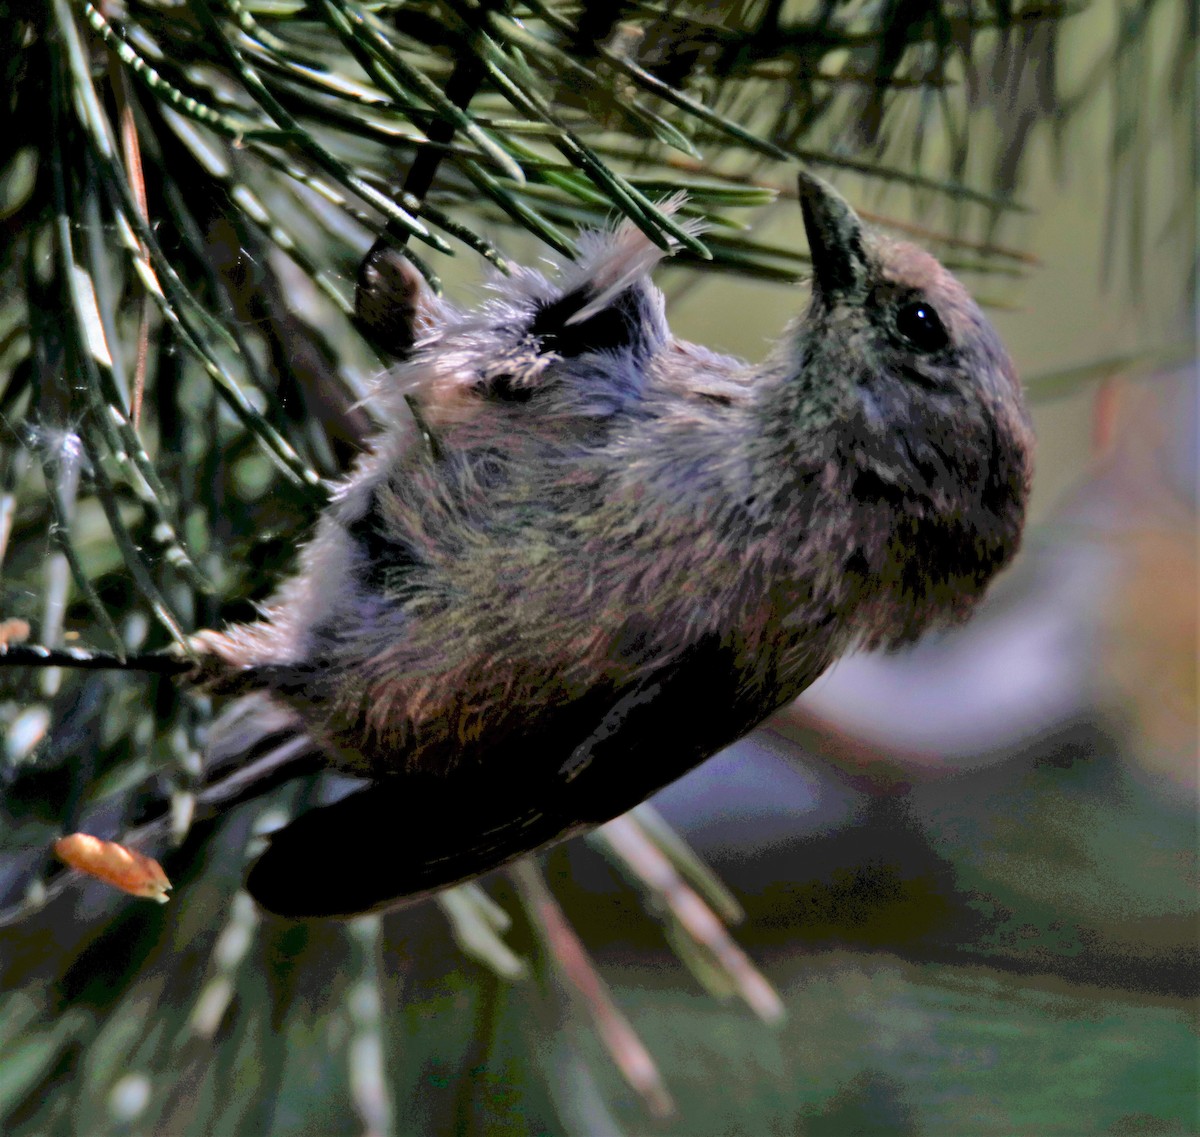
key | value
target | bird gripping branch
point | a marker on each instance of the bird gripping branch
(584, 555)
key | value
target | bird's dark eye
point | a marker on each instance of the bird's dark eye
(919, 324)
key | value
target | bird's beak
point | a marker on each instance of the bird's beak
(835, 241)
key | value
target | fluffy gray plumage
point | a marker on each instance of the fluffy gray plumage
(597, 553)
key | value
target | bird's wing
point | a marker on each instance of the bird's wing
(601, 304)
(397, 840)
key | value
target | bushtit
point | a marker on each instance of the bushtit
(585, 555)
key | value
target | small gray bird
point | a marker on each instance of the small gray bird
(586, 555)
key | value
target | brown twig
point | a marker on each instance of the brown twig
(564, 948)
(131, 153)
(626, 838)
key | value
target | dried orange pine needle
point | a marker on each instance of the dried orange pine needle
(123, 868)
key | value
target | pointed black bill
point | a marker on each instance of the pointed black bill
(840, 268)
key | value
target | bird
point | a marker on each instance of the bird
(582, 555)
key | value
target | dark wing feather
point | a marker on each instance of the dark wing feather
(621, 323)
(401, 839)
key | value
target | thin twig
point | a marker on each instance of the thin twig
(35, 655)
(131, 152)
(619, 1038)
(628, 840)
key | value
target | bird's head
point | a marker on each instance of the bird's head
(929, 403)
(895, 385)
(895, 376)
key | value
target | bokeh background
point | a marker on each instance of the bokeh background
(969, 869)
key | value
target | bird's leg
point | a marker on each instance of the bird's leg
(388, 299)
